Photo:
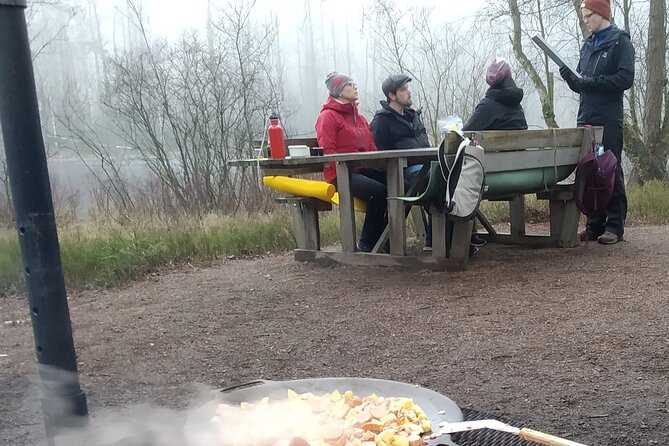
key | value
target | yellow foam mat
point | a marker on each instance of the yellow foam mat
(300, 187)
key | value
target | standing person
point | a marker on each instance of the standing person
(398, 126)
(606, 67)
(341, 129)
(500, 109)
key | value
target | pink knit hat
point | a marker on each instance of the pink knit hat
(498, 70)
(336, 82)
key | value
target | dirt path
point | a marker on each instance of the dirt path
(575, 342)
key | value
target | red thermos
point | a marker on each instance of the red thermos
(277, 143)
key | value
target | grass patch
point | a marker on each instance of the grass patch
(102, 254)
(99, 253)
(649, 204)
(11, 275)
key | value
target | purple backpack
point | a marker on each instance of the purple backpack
(595, 179)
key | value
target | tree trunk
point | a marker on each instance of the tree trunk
(545, 96)
(656, 81)
(577, 7)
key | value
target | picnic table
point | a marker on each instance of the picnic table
(517, 163)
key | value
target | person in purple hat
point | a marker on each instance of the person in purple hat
(500, 109)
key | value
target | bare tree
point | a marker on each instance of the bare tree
(647, 123)
(187, 110)
(448, 78)
(549, 19)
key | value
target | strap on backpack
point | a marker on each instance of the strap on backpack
(592, 136)
(446, 170)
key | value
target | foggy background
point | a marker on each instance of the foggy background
(144, 103)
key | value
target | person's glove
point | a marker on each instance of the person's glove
(570, 78)
(585, 83)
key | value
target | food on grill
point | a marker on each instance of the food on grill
(332, 419)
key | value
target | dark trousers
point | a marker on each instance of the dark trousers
(612, 218)
(370, 185)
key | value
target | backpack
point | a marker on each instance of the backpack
(464, 175)
(595, 180)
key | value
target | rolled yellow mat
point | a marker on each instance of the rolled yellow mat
(358, 204)
(321, 190)
(300, 187)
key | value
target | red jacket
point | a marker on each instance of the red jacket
(340, 129)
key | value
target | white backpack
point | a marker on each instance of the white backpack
(464, 175)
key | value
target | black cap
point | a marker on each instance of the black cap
(393, 82)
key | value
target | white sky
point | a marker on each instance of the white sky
(169, 18)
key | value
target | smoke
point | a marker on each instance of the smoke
(137, 425)
(141, 425)
(205, 421)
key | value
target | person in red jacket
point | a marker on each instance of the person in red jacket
(341, 129)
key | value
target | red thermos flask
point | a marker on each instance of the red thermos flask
(277, 143)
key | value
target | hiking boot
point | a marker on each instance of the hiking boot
(609, 238)
(428, 240)
(363, 247)
(589, 235)
(478, 241)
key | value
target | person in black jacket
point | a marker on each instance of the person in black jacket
(398, 126)
(606, 69)
(500, 109)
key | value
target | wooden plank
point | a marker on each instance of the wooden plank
(346, 212)
(366, 259)
(486, 224)
(299, 226)
(564, 219)
(462, 235)
(319, 205)
(396, 208)
(531, 159)
(517, 215)
(382, 240)
(438, 233)
(305, 224)
(290, 170)
(312, 228)
(418, 222)
(528, 241)
(510, 140)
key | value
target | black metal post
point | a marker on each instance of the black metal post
(63, 401)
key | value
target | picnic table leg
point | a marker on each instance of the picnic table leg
(305, 224)
(517, 215)
(396, 211)
(460, 241)
(564, 219)
(438, 233)
(346, 212)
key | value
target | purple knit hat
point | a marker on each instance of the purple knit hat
(336, 82)
(498, 70)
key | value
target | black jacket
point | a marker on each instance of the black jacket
(500, 109)
(394, 131)
(607, 71)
